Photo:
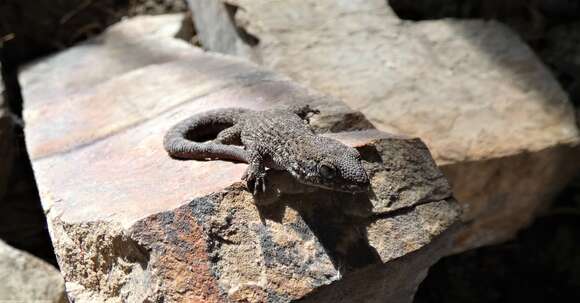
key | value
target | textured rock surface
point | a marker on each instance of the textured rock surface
(25, 278)
(130, 224)
(492, 115)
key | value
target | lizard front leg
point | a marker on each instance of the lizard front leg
(255, 174)
(303, 110)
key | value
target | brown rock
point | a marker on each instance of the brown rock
(493, 116)
(130, 224)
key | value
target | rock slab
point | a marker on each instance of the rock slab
(495, 119)
(130, 224)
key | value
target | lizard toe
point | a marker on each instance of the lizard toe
(259, 184)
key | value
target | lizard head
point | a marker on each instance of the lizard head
(333, 166)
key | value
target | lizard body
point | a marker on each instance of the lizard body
(279, 138)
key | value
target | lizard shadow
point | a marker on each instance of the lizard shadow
(338, 220)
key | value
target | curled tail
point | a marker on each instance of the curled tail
(182, 141)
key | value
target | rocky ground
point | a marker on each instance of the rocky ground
(505, 174)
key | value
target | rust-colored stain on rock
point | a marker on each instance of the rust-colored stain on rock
(178, 256)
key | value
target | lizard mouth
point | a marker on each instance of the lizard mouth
(347, 188)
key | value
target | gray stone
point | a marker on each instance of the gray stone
(25, 278)
(130, 224)
(494, 118)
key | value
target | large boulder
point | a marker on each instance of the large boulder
(131, 224)
(494, 118)
(25, 278)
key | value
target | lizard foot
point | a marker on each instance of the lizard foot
(304, 111)
(255, 181)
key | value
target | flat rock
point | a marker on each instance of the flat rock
(25, 278)
(494, 118)
(130, 224)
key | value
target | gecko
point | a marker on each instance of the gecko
(276, 138)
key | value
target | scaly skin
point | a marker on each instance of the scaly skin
(279, 138)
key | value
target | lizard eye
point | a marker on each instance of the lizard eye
(327, 171)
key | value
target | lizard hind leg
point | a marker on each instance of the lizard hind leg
(229, 136)
(255, 174)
